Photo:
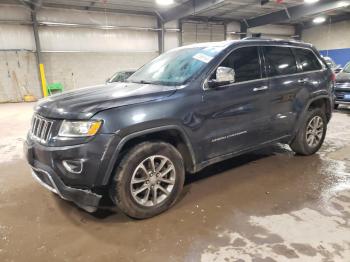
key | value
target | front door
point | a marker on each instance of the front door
(237, 114)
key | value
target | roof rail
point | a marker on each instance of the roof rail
(256, 38)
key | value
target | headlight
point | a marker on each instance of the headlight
(79, 128)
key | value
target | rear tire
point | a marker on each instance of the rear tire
(149, 180)
(311, 134)
(336, 106)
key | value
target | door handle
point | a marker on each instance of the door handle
(303, 80)
(256, 89)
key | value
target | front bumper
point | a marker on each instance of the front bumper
(48, 170)
(85, 199)
(342, 93)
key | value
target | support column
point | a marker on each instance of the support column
(41, 68)
(225, 30)
(180, 33)
(299, 31)
(244, 29)
(161, 35)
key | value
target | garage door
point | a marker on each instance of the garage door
(202, 32)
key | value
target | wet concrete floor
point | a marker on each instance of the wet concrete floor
(265, 206)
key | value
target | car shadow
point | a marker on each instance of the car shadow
(109, 209)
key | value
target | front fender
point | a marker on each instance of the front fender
(118, 141)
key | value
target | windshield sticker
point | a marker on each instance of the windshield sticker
(203, 58)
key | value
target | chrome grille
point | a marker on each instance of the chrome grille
(41, 128)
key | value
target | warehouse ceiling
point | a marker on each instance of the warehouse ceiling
(224, 10)
(227, 9)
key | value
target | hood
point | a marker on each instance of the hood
(343, 77)
(83, 103)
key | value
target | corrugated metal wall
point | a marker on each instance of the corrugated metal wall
(18, 75)
(196, 32)
(76, 56)
(332, 39)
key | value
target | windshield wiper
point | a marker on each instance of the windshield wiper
(145, 82)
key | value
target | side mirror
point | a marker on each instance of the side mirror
(224, 76)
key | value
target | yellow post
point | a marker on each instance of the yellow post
(43, 79)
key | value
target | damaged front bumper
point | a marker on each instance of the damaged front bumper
(44, 170)
(85, 199)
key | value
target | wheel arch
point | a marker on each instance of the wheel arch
(171, 134)
(323, 102)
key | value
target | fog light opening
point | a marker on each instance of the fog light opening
(73, 166)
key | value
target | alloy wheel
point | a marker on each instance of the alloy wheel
(153, 180)
(314, 131)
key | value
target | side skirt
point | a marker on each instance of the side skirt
(221, 158)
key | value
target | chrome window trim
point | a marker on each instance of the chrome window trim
(324, 68)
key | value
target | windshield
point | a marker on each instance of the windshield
(347, 68)
(175, 67)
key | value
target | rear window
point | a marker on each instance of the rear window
(280, 60)
(307, 59)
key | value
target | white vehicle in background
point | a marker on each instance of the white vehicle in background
(120, 76)
(330, 62)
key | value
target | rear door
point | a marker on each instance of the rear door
(237, 114)
(284, 83)
(311, 69)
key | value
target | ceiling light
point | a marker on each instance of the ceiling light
(344, 4)
(311, 1)
(319, 20)
(164, 2)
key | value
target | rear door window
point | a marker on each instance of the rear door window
(280, 61)
(307, 60)
(246, 63)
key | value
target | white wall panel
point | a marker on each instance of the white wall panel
(274, 31)
(14, 12)
(16, 37)
(282, 30)
(95, 18)
(97, 53)
(18, 76)
(202, 32)
(84, 39)
(334, 36)
(171, 40)
(75, 70)
(231, 28)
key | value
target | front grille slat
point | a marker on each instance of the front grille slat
(48, 132)
(41, 128)
(36, 122)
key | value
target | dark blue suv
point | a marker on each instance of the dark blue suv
(188, 108)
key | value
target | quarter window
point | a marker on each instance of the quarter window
(246, 63)
(307, 60)
(280, 60)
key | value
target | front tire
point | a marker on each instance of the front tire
(149, 179)
(311, 134)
